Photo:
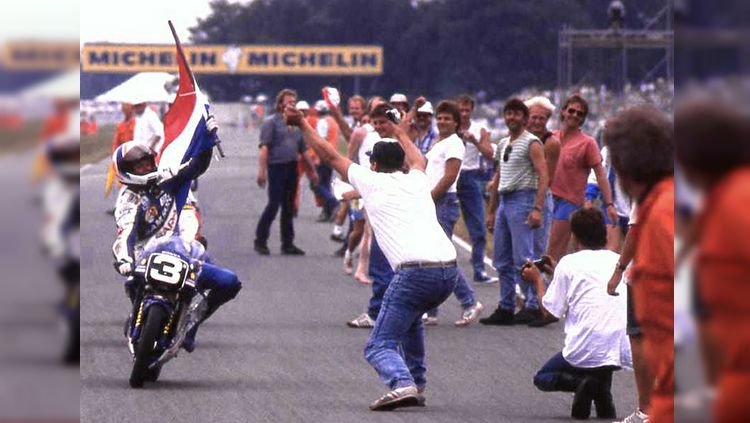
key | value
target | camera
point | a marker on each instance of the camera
(393, 115)
(540, 264)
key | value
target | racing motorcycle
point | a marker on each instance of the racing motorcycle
(166, 306)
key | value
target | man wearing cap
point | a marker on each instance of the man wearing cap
(424, 131)
(302, 166)
(398, 203)
(400, 102)
(279, 146)
(470, 186)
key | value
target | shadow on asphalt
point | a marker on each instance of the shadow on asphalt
(167, 384)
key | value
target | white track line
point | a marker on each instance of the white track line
(463, 244)
(84, 167)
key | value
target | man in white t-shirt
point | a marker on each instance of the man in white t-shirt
(443, 164)
(470, 185)
(595, 339)
(148, 127)
(403, 218)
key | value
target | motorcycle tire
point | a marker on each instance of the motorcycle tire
(153, 374)
(152, 326)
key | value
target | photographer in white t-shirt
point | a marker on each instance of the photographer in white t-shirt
(595, 339)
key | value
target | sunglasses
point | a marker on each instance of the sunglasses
(506, 153)
(579, 113)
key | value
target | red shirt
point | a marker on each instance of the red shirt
(653, 293)
(723, 272)
(578, 154)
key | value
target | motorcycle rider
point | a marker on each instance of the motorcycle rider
(222, 282)
(145, 210)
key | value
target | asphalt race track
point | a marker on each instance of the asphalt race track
(280, 352)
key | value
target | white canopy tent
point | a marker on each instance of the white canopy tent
(144, 87)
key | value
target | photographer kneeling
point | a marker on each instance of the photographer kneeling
(595, 339)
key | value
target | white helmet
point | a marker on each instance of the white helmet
(125, 159)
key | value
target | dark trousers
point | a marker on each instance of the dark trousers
(559, 375)
(282, 188)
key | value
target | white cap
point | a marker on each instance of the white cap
(321, 106)
(426, 108)
(302, 105)
(398, 98)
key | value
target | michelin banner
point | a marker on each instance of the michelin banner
(249, 59)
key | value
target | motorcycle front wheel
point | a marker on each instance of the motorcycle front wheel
(153, 324)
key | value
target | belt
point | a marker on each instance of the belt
(425, 264)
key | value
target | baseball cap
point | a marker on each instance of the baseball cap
(302, 105)
(388, 153)
(398, 98)
(321, 106)
(426, 108)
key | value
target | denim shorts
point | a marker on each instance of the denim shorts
(633, 327)
(355, 210)
(563, 209)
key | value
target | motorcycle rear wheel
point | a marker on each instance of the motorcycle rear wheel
(153, 324)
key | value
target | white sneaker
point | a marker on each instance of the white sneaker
(637, 417)
(362, 321)
(400, 397)
(429, 320)
(470, 315)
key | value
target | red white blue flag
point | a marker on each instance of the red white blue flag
(185, 133)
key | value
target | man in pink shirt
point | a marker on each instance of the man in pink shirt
(578, 155)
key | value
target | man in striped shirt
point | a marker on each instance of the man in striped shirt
(521, 183)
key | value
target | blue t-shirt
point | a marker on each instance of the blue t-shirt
(284, 142)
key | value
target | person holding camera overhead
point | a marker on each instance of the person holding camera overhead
(519, 188)
(398, 203)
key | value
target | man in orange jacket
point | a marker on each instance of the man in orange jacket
(123, 133)
(715, 157)
(649, 179)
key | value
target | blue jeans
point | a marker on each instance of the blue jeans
(380, 273)
(282, 188)
(396, 345)
(541, 235)
(447, 214)
(469, 189)
(223, 283)
(514, 243)
(559, 375)
(323, 188)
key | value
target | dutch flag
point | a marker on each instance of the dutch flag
(185, 133)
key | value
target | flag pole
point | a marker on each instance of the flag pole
(184, 59)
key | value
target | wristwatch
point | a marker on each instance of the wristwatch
(621, 267)
(537, 208)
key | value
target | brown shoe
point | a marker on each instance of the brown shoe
(397, 398)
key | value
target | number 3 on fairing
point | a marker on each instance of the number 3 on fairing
(167, 269)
